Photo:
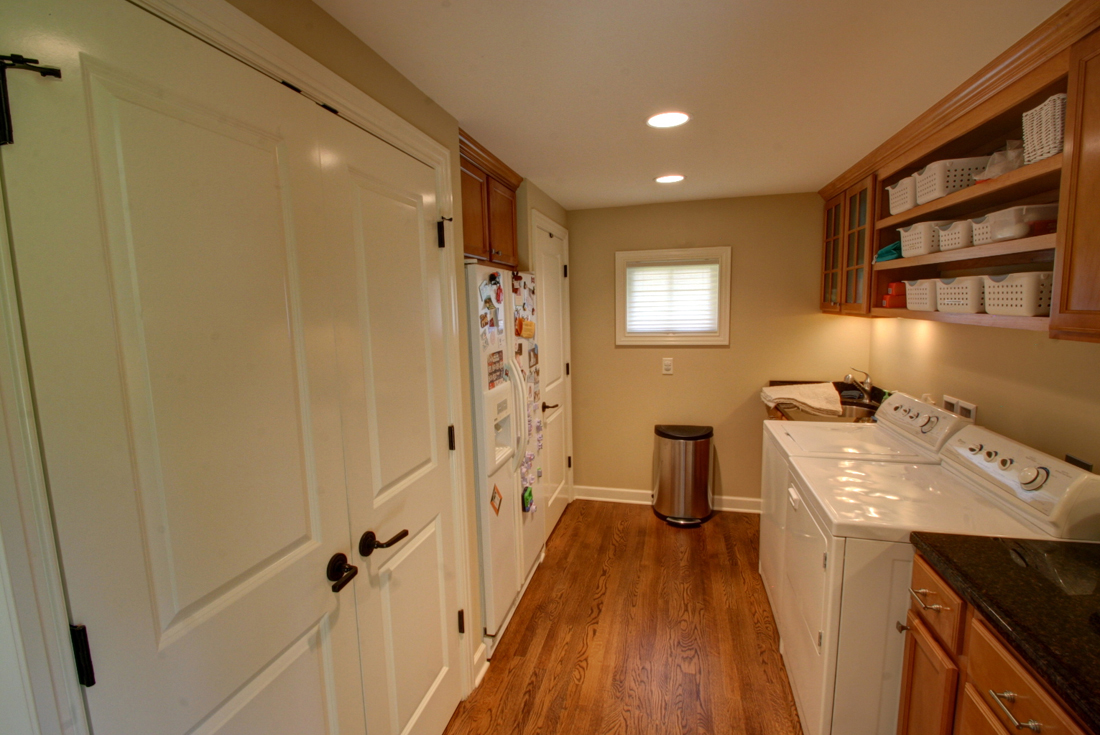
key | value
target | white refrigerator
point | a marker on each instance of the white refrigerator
(504, 371)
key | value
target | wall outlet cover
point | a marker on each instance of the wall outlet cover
(666, 366)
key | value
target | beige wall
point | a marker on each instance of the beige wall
(529, 197)
(1040, 391)
(776, 332)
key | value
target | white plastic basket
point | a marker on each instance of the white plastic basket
(1045, 129)
(1018, 294)
(920, 239)
(903, 195)
(943, 177)
(955, 235)
(964, 295)
(920, 295)
(1012, 223)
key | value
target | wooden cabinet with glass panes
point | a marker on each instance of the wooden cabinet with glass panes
(847, 250)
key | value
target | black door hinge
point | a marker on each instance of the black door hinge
(285, 83)
(82, 652)
(569, 462)
(565, 271)
(451, 437)
(566, 368)
(440, 233)
(15, 61)
(461, 621)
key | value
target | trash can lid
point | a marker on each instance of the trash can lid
(687, 433)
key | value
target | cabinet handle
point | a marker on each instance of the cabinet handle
(901, 626)
(916, 596)
(1011, 698)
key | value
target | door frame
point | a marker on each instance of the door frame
(33, 564)
(537, 220)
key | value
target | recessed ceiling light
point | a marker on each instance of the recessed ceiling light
(670, 179)
(668, 120)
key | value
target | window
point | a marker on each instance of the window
(677, 296)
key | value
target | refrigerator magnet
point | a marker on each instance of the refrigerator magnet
(495, 498)
(528, 500)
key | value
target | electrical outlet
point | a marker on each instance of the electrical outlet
(968, 411)
(666, 366)
(951, 403)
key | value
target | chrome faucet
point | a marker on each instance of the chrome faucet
(863, 385)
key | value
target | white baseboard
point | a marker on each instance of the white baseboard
(643, 497)
(479, 657)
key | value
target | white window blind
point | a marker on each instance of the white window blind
(677, 297)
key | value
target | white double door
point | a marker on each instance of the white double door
(234, 321)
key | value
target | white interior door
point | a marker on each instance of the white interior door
(551, 253)
(394, 400)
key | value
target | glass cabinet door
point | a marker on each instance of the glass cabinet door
(833, 247)
(858, 206)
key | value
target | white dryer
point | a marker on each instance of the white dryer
(847, 558)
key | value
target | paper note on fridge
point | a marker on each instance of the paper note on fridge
(528, 329)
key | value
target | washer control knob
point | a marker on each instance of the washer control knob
(929, 424)
(914, 416)
(990, 455)
(897, 407)
(1006, 462)
(975, 448)
(1033, 478)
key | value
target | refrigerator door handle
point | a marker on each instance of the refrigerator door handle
(520, 412)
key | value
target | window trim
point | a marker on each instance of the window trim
(625, 258)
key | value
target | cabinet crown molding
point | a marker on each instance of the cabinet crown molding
(492, 165)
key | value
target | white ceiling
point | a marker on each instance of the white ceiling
(784, 94)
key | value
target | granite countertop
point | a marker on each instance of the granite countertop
(1043, 597)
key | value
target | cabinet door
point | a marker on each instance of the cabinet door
(830, 268)
(1075, 312)
(975, 718)
(502, 223)
(475, 210)
(927, 684)
(858, 225)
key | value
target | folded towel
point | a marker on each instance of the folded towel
(816, 398)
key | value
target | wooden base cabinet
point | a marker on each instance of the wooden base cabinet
(928, 680)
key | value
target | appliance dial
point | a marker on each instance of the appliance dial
(914, 416)
(990, 455)
(929, 424)
(975, 448)
(1006, 462)
(1033, 478)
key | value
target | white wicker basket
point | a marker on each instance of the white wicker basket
(943, 177)
(955, 235)
(1045, 129)
(1018, 294)
(921, 295)
(920, 239)
(903, 195)
(1012, 223)
(964, 295)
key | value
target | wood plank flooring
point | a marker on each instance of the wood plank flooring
(633, 627)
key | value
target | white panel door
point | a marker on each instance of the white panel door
(551, 249)
(394, 400)
(166, 221)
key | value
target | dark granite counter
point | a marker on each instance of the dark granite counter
(1043, 597)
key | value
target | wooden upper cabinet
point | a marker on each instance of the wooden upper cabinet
(1075, 312)
(488, 205)
(830, 269)
(475, 210)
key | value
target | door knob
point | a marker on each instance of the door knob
(368, 542)
(340, 572)
(544, 406)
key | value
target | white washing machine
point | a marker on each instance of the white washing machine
(906, 430)
(846, 561)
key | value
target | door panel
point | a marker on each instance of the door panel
(502, 223)
(167, 224)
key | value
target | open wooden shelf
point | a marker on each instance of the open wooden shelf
(1038, 249)
(1042, 176)
(1035, 323)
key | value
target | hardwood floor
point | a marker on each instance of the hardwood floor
(631, 626)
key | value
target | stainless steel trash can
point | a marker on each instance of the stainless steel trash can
(683, 474)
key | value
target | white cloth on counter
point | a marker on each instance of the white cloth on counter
(821, 399)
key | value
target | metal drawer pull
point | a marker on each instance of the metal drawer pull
(916, 596)
(901, 627)
(1011, 697)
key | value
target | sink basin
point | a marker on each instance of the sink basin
(857, 412)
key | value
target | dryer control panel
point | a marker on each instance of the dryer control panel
(1053, 492)
(928, 424)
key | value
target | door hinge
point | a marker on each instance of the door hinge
(451, 437)
(825, 560)
(440, 232)
(82, 653)
(566, 368)
(461, 621)
(565, 271)
(569, 462)
(15, 61)
(820, 638)
(285, 83)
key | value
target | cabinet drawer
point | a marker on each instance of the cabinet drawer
(994, 670)
(975, 718)
(937, 605)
